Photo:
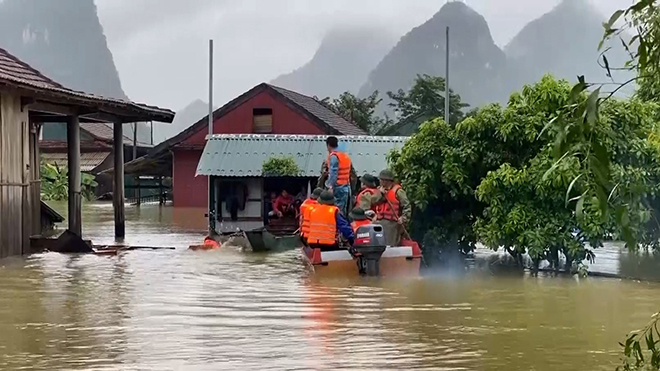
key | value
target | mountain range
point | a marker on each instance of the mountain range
(344, 58)
(64, 40)
(562, 42)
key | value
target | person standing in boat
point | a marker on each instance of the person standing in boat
(305, 211)
(393, 209)
(339, 174)
(368, 194)
(326, 223)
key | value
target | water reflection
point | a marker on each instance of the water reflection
(185, 310)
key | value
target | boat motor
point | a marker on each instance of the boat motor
(369, 246)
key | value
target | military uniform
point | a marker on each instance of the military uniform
(368, 196)
(393, 221)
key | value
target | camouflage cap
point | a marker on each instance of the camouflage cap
(386, 175)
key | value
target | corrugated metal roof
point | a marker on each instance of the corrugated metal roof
(243, 155)
(88, 160)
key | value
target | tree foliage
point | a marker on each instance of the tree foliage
(493, 178)
(281, 166)
(55, 183)
(361, 111)
(427, 96)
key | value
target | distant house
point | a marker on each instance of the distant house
(264, 109)
(95, 148)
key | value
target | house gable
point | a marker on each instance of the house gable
(286, 119)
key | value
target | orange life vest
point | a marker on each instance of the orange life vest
(359, 223)
(369, 191)
(344, 172)
(384, 210)
(305, 210)
(323, 225)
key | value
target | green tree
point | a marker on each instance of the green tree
(493, 177)
(427, 96)
(361, 111)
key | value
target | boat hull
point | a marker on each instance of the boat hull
(395, 262)
(264, 241)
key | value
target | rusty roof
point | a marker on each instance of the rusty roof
(105, 132)
(18, 74)
(317, 109)
(88, 160)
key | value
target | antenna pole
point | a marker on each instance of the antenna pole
(447, 79)
(211, 188)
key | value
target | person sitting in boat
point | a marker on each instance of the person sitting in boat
(305, 211)
(369, 194)
(326, 222)
(359, 218)
(393, 209)
(283, 205)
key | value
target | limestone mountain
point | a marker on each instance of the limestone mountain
(64, 40)
(563, 42)
(341, 63)
(476, 64)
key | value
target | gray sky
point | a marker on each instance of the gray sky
(160, 47)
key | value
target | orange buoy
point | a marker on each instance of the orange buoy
(209, 244)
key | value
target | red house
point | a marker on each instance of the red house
(264, 109)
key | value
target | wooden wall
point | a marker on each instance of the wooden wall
(15, 206)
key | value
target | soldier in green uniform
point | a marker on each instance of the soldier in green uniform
(393, 208)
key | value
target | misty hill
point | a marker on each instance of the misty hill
(182, 120)
(476, 64)
(340, 64)
(563, 42)
(64, 40)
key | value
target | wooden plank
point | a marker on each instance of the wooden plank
(26, 207)
(118, 184)
(4, 244)
(75, 200)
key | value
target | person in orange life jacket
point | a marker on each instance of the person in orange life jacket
(339, 174)
(368, 193)
(305, 211)
(393, 208)
(326, 222)
(359, 219)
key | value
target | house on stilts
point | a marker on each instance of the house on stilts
(27, 99)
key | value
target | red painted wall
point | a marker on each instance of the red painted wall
(191, 191)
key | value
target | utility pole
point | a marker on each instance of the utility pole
(447, 79)
(211, 211)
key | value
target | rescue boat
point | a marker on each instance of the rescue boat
(369, 256)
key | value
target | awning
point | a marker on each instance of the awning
(88, 160)
(243, 155)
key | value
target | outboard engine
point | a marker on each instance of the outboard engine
(369, 246)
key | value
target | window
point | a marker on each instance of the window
(262, 120)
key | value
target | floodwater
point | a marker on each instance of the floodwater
(185, 310)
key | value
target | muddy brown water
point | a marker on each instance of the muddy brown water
(184, 310)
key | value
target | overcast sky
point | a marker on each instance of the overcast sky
(160, 47)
